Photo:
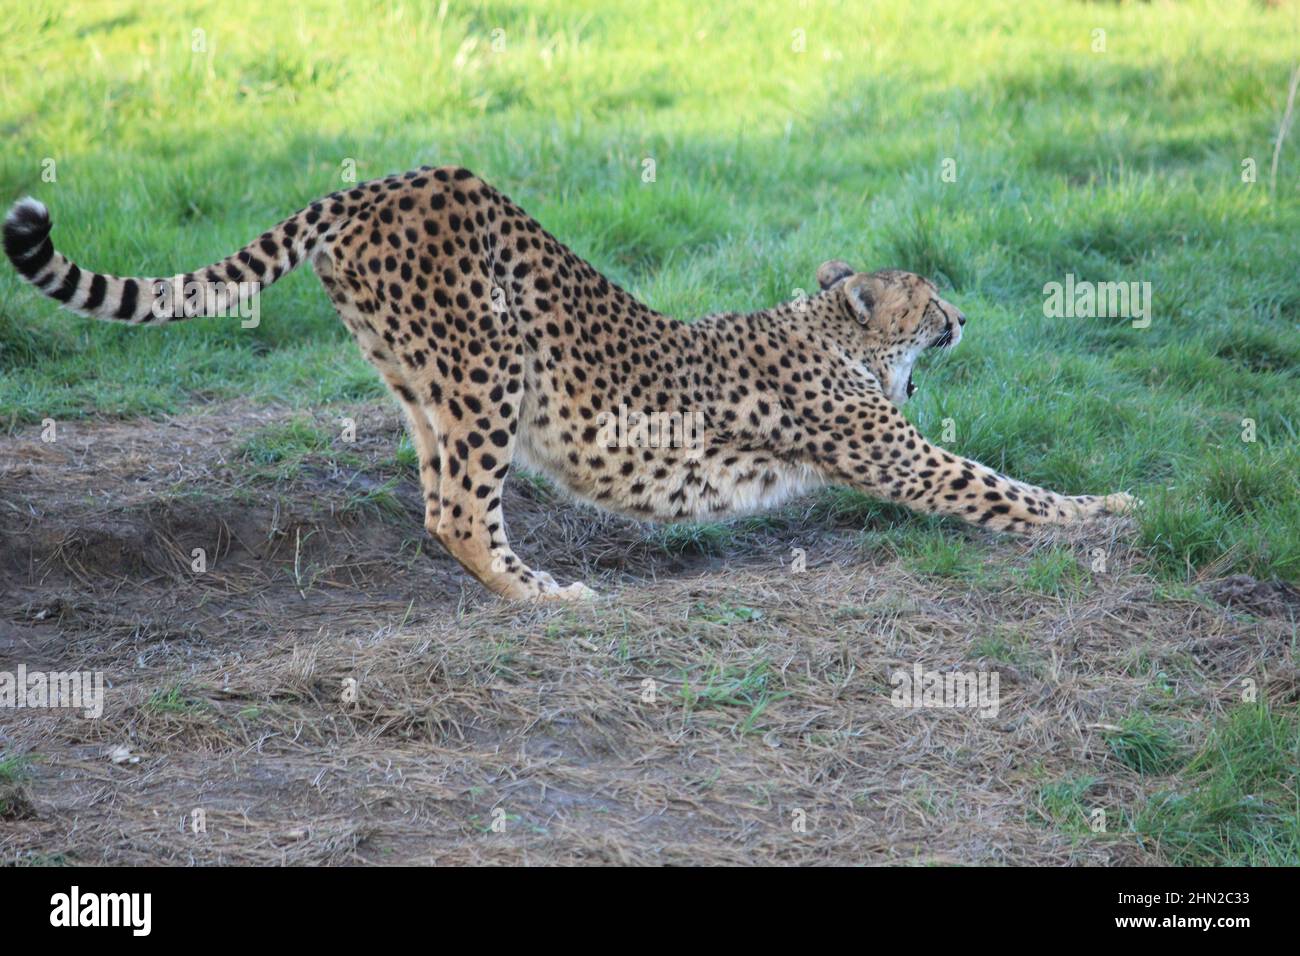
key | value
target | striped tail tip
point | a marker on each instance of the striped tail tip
(26, 236)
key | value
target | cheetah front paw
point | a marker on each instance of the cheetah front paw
(1120, 503)
(1089, 507)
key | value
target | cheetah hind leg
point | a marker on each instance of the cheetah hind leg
(423, 438)
(471, 525)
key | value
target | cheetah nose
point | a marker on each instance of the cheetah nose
(961, 318)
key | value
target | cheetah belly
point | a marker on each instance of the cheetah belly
(674, 484)
(754, 482)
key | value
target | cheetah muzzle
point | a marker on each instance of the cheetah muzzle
(502, 346)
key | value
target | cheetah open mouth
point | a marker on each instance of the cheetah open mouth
(942, 341)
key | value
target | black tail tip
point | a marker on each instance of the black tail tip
(26, 227)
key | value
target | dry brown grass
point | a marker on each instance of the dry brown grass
(772, 692)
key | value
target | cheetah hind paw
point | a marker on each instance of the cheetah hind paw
(577, 591)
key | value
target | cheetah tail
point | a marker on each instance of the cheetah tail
(224, 285)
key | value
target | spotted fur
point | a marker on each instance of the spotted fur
(503, 346)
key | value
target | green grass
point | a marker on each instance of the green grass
(377, 501)
(1122, 165)
(1064, 804)
(405, 457)
(1235, 801)
(1056, 571)
(941, 556)
(934, 548)
(726, 613)
(171, 701)
(844, 506)
(281, 450)
(693, 537)
(1007, 646)
(745, 690)
(283, 442)
(1146, 745)
(14, 770)
(1239, 800)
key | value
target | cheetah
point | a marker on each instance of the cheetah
(504, 347)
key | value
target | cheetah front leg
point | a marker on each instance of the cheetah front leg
(892, 460)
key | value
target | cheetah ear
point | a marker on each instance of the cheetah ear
(833, 271)
(862, 299)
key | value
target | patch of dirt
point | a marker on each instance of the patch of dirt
(331, 688)
(1264, 598)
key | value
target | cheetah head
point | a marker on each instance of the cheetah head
(900, 314)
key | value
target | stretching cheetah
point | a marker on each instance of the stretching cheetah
(502, 345)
